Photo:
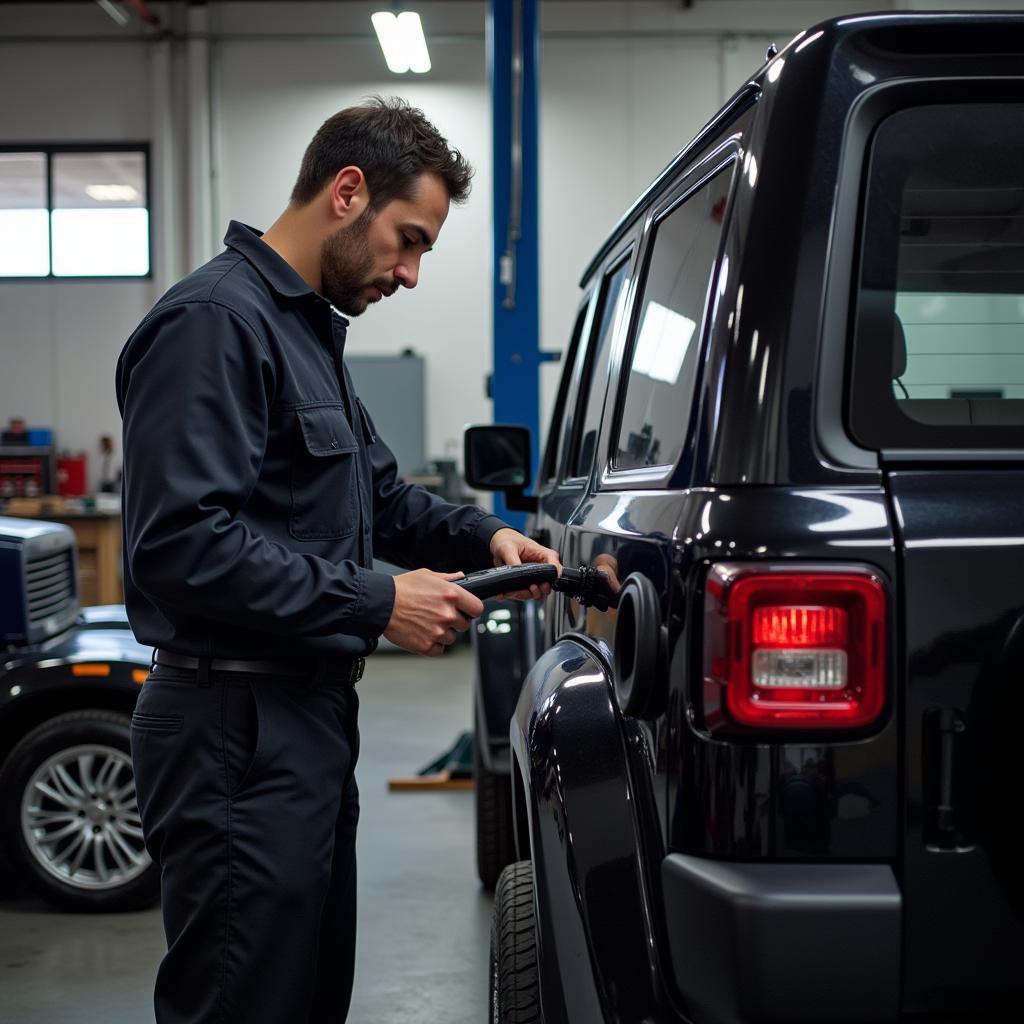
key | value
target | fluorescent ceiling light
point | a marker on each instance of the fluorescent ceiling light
(111, 193)
(116, 11)
(401, 38)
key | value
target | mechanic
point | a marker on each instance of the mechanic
(256, 492)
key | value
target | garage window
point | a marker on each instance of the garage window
(76, 212)
(939, 346)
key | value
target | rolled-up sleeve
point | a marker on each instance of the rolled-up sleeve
(415, 528)
(191, 462)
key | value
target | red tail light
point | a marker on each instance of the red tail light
(793, 649)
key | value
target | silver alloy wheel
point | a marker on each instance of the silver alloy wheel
(80, 818)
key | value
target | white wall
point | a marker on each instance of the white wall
(623, 87)
(273, 98)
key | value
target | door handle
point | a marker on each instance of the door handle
(943, 751)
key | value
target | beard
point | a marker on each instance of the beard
(346, 266)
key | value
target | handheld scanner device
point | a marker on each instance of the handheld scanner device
(586, 584)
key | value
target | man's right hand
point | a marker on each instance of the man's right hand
(429, 610)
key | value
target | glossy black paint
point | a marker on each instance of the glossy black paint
(38, 682)
(962, 564)
(594, 879)
(932, 791)
(789, 800)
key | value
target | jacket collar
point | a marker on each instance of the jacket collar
(276, 271)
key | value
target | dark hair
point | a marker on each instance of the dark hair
(392, 143)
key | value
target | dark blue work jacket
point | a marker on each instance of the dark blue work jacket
(255, 488)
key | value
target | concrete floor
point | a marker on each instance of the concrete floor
(423, 920)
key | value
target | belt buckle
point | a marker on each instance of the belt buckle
(358, 666)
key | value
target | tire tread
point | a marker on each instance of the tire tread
(515, 986)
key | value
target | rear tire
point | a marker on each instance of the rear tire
(515, 986)
(495, 830)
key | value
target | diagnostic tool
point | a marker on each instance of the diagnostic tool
(586, 584)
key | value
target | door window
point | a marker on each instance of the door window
(595, 379)
(556, 443)
(666, 339)
(939, 346)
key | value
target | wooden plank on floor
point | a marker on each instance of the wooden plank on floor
(437, 781)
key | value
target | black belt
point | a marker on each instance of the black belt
(349, 670)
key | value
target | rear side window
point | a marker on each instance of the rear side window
(939, 343)
(663, 355)
(554, 449)
(595, 380)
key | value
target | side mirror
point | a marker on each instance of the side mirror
(497, 458)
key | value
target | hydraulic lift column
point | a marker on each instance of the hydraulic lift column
(513, 57)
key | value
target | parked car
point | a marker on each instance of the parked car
(781, 778)
(69, 678)
(506, 642)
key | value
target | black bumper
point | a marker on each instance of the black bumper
(783, 942)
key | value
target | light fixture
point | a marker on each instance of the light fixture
(401, 38)
(115, 11)
(111, 193)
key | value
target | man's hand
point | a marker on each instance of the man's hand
(510, 547)
(429, 610)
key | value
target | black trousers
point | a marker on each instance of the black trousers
(250, 806)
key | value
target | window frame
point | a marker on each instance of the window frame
(52, 149)
(830, 393)
(660, 477)
(556, 446)
(909, 439)
(624, 256)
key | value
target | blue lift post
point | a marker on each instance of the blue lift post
(513, 55)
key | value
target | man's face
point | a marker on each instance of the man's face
(381, 252)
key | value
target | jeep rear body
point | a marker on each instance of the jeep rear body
(689, 866)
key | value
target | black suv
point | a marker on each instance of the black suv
(780, 778)
(69, 679)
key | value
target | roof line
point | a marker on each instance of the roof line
(739, 101)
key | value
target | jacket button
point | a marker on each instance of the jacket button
(334, 443)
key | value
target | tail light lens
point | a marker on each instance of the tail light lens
(793, 649)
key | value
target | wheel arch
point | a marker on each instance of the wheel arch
(61, 693)
(520, 810)
(572, 769)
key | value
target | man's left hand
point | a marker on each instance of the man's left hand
(510, 547)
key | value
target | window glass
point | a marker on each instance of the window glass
(24, 218)
(592, 389)
(940, 327)
(100, 220)
(663, 359)
(552, 453)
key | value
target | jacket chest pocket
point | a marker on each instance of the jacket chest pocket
(369, 437)
(325, 475)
